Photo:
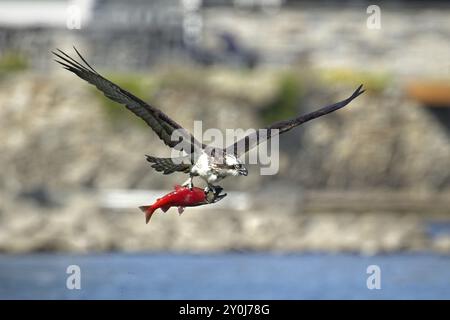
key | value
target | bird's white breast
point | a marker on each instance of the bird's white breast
(208, 171)
(204, 169)
(201, 167)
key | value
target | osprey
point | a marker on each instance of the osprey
(207, 162)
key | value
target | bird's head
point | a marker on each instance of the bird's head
(235, 166)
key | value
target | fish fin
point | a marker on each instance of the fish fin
(165, 208)
(148, 210)
(180, 210)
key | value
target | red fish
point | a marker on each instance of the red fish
(183, 197)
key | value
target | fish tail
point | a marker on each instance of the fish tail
(148, 210)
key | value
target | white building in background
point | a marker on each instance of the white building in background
(46, 13)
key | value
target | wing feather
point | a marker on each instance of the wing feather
(252, 140)
(155, 118)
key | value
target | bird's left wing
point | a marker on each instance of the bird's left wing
(252, 140)
(155, 118)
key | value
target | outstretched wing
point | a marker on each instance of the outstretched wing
(155, 118)
(170, 165)
(252, 140)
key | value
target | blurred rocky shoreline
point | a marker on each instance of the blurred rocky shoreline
(60, 146)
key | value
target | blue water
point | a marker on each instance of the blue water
(224, 276)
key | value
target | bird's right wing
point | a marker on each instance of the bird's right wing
(163, 126)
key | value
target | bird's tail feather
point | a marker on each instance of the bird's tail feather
(169, 165)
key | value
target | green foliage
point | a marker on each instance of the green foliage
(373, 81)
(285, 103)
(181, 77)
(12, 61)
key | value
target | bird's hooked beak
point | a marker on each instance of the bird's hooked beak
(243, 171)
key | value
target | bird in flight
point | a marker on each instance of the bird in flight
(207, 162)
